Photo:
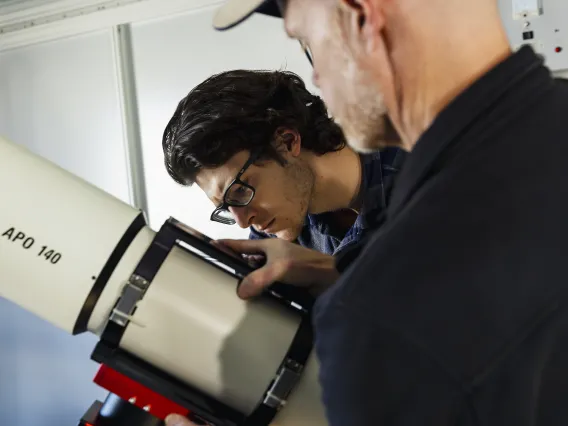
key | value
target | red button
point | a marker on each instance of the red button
(558, 49)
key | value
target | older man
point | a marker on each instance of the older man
(466, 321)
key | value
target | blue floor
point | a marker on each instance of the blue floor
(45, 374)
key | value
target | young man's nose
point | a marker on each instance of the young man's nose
(243, 215)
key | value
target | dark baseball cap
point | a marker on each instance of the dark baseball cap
(233, 12)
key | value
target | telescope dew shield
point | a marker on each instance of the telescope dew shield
(49, 219)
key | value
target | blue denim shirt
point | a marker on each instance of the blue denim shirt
(378, 173)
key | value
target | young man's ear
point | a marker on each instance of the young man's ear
(288, 141)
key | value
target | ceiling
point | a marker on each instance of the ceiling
(14, 5)
(24, 3)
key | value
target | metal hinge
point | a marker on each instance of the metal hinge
(132, 293)
(285, 381)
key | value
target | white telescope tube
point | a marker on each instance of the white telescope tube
(56, 235)
(67, 250)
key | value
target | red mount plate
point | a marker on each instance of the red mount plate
(130, 390)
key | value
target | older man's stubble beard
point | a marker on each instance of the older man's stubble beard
(364, 121)
(378, 137)
(362, 113)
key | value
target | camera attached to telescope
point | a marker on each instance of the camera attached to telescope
(137, 388)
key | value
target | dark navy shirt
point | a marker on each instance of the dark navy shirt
(455, 313)
(378, 174)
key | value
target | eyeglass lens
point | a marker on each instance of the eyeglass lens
(224, 216)
(238, 195)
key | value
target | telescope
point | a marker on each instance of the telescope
(173, 336)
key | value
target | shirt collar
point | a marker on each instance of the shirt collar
(374, 198)
(372, 188)
(470, 106)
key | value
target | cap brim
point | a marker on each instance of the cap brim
(233, 12)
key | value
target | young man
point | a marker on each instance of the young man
(466, 320)
(265, 151)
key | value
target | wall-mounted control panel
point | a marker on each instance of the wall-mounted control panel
(541, 23)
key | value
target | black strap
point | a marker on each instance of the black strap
(302, 345)
(262, 416)
(105, 274)
(297, 355)
(147, 268)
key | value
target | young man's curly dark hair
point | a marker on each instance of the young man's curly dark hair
(241, 110)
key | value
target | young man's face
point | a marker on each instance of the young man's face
(282, 193)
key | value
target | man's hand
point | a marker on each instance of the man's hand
(285, 262)
(177, 420)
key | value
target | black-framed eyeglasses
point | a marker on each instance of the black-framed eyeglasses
(237, 194)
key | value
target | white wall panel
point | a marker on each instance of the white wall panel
(171, 57)
(60, 100)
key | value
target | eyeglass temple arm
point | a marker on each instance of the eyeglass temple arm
(307, 53)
